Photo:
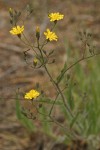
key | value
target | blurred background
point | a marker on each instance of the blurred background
(14, 73)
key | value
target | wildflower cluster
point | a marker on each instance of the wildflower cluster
(41, 58)
(50, 36)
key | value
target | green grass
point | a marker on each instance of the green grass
(84, 97)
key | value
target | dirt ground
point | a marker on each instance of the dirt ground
(14, 73)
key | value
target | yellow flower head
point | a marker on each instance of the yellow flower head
(32, 94)
(17, 30)
(50, 35)
(55, 16)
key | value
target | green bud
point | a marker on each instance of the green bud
(37, 33)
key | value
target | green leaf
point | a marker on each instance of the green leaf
(27, 123)
(49, 101)
(51, 52)
(24, 120)
(70, 96)
(46, 125)
(60, 77)
(74, 120)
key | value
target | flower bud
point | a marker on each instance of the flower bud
(11, 12)
(37, 33)
(35, 61)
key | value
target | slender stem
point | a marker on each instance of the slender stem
(28, 43)
(53, 104)
(56, 84)
(57, 87)
(81, 59)
(63, 98)
(71, 133)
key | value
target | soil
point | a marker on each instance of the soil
(14, 72)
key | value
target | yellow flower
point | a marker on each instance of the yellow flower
(55, 16)
(32, 94)
(17, 30)
(50, 35)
